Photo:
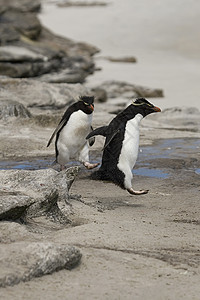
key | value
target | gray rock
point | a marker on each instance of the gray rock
(22, 5)
(67, 75)
(19, 54)
(8, 34)
(116, 89)
(177, 118)
(64, 59)
(26, 24)
(71, 48)
(30, 194)
(34, 93)
(13, 205)
(23, 261)
(67, 3)
(10, 108)
(126, 59)
(100, 94)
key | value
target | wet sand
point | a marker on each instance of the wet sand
(134, 247)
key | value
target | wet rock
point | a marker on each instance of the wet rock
(177, 118)
(19, 54)
(10, 108)
(100, 94)
(126, 59)
(26, 24)
(8, 34)
(66, 75)
(22, 5)
(23, 261)
(67, 3)
(69, 47)
(116, 89)
(30, 50)
(34, 93)
(29, 194)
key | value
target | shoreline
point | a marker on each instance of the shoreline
(158, 66)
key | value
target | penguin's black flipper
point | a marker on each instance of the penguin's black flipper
(110, 139)
(92, 139)
(60, 125)
(98, 131)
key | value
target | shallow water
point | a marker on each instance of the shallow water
(197, 171)
(166, 148)
(151, 172)
(170, 148)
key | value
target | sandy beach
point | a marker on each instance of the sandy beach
(133, 247)
(164, 37)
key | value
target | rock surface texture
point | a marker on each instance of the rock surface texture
(27, 49)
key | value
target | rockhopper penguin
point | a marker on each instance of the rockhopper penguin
(121, 145)
(71, 133)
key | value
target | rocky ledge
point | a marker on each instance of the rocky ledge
(27, 49)
(36, 198)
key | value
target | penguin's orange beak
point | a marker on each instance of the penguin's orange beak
(92, 107)
(156, 109)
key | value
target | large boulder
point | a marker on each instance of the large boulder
(176, 118)
(22, 261)
(11, 108)
(26, 24)
(37, 94)
(27, 49)
(123, 89)
(29, 194)
(21, 5)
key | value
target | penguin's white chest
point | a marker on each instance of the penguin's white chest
(130, 145)
(73, 134)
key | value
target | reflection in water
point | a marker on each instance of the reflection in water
(166, 148)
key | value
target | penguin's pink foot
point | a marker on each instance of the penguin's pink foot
(90, 166)
(140, 192)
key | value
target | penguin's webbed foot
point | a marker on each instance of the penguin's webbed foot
(140, 192)
(90, 166)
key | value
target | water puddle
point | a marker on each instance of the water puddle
(166, 148)
(170, 148)
(197, 171)
(163, 148)
(151, 173)
(34, 164)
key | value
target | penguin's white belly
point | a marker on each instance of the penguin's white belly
(130, 145)
(72, 136)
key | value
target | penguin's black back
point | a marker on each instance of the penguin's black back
(86, 104)
(110, 159)
(115, 134)
(108, 170)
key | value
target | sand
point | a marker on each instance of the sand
(144, 247)
(164, 37)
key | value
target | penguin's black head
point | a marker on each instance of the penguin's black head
(144, 107)
(87, 104)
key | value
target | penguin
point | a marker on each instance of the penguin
(121, 146)
(71, 133)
